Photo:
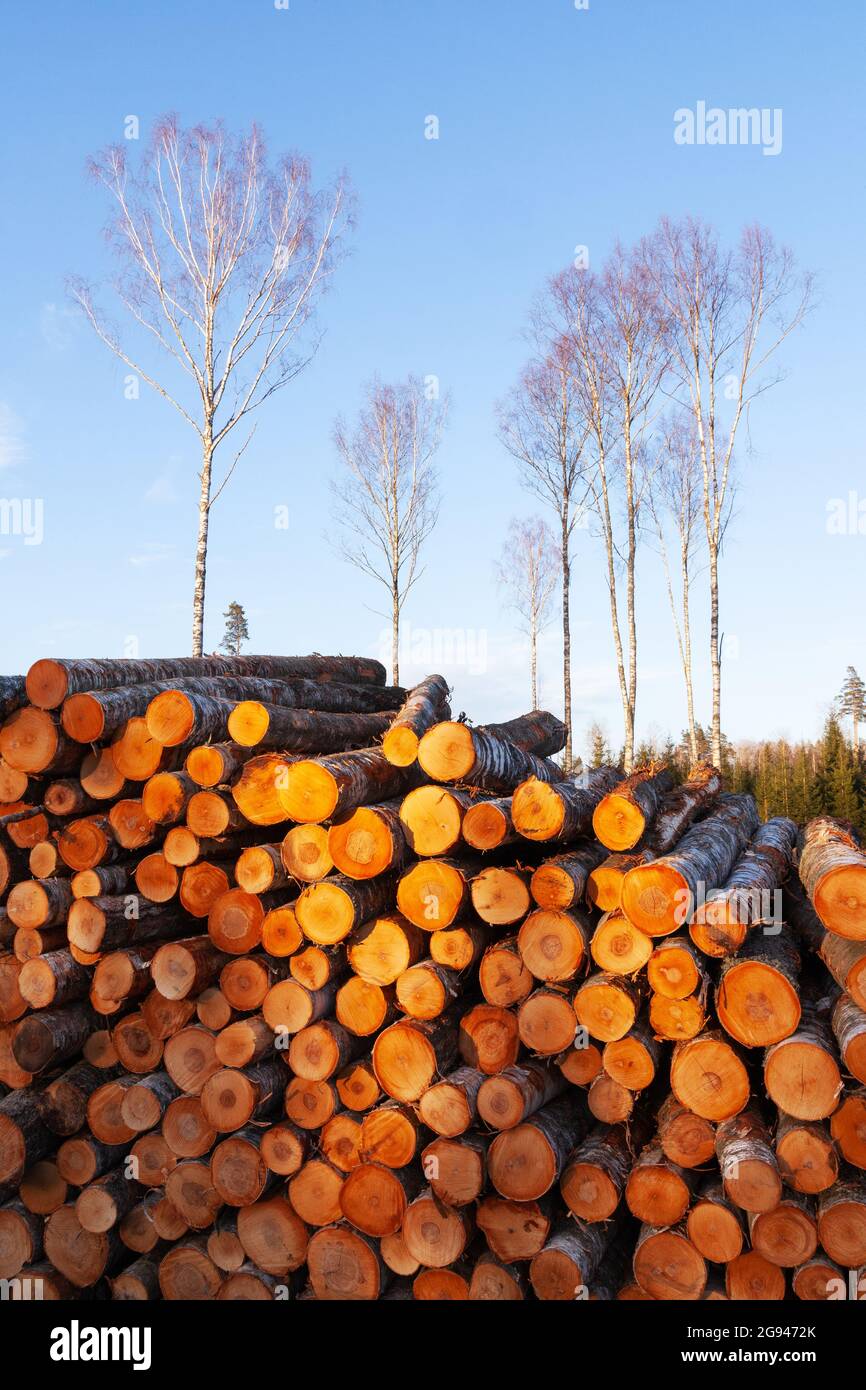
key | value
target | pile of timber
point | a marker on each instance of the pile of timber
(309, 991)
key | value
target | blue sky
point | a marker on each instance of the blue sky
(556, 129)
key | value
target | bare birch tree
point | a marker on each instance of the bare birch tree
(619, 354)
(675, 502)
(221, 257)
(543, 427)
(387, 498)
(728, 312)
(528, 572)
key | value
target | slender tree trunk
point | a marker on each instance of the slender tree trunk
(628, 758)
(627, 713)
(395, 635)
(566, 643)
(687, 655)
(533, 660)
(715, 656)
(201, 544)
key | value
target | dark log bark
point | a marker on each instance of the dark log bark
(623, 816)
(751, 893)
(51, 680)
(318, 789)
(681, 806)
(561, 882)
(661, 896)
(104, 924)
(54, 978)
(747, 1162)
(257, 725)
(53, 1035)
(526, 1161)
(425, 705)
(24, 1136)
(13, 695)
(564, 810)
(516, 1092)
(495, 758)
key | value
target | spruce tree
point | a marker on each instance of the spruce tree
(851, 702)
(236, 632)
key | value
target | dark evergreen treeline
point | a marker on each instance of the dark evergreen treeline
(799, 780)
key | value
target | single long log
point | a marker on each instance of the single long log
(757, 997)
(553, 944)
(33, 741)
(751, 892)
(560, 809)
(50, 680)
(657, 1189)
(667, 1265)
(318, 789)
(832, 870)
(681, 806)
(432, 817)
(624, 814)
(526, 1161)
(593, 1181)
(254, 724)
(561, 882)
(806, 1154)
(801, 1071)
(747, 1163)
(487, 824)
(516, 1092)
(425, 705)
(494, 757)
(435, 892)
(709, 1076)
(368, 841)
(715, 1224)
(662, 896)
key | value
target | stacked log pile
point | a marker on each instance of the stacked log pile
(308, 990)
